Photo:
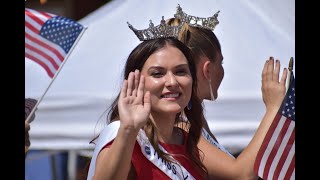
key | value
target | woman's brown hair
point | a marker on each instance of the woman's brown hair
(136, 60)
(201, 41)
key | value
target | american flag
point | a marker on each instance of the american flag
(49, 38)
(276, 157)
(29, 104)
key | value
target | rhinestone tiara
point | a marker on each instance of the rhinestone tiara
(208, 23)
(154, 32)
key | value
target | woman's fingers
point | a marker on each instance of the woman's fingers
(134, 87)
(284, 77)
(136, 82)
(140, 91)
(270, 69)
(264, 71)
(130, 83)
(147, 101)
(123, 92)
(276, 71)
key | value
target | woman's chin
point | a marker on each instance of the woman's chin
(171, 109)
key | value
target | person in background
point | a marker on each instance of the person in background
(26, 137)
(197, 33)
(29, 105)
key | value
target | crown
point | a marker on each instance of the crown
(154, 32)
(208, 23)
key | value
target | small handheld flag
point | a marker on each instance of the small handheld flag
(276, 156)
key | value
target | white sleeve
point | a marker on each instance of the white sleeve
(106, 135)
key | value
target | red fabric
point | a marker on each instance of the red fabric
(146, 170)
(276, 156)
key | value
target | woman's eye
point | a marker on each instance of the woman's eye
(181, 72)
(156, 74)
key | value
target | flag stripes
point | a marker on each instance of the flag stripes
(48, 38)
(37, 48)
(276, 158)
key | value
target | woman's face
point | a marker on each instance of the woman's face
(217, 74)
(168, 78)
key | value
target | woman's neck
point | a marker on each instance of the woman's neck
(166, 131)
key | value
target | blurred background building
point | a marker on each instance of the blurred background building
(73, 9)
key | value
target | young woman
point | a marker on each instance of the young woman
(143, 140)
(153, 153)
(199, 37)
(29, 105)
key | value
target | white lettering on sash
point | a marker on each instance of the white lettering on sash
(174, 170)
(214, 142)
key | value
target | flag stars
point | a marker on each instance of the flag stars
(56, 32)
(288, 105)
(62, 31)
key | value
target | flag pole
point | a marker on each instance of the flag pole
(56, 74)
(290, 68)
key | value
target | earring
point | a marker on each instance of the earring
(189, 106)
(211, 92)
